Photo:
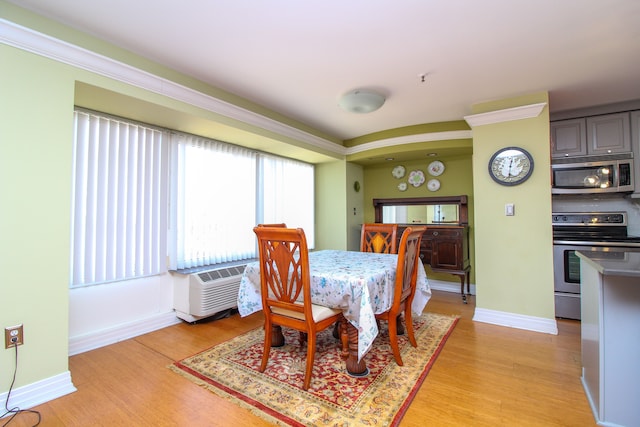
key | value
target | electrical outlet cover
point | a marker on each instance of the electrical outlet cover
(13, 336)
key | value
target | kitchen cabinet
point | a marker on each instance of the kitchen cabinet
(610, 336)
(569, 138)
(635, 147)
(608, 134)
(603, 134)
(446, 250)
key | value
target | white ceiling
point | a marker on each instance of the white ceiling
(298, 57)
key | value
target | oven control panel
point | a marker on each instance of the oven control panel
(589, 218)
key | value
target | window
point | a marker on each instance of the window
(222, 191)
(142, 193)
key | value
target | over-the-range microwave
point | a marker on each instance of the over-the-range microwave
(611, 173)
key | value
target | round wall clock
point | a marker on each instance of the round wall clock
(511, 166)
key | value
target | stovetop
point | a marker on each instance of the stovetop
(601, 227)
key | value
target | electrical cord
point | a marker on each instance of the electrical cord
(16, 411)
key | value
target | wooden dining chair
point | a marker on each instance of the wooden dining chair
(405, 288)
(379, 238)
(286, 294)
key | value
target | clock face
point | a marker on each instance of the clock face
(511, 166)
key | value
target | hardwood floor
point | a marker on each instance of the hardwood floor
(486, 375)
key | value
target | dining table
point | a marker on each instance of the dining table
(361, 284)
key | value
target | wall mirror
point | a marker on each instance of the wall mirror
(422, 210)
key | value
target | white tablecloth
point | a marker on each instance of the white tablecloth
(359, 283)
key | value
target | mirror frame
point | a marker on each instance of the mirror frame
(461, 201)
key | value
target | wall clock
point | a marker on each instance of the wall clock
(511, 166)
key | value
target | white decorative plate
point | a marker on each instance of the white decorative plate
(416, 178)
(398, 172)
(435, 168)
(402, 186)
(433, 185)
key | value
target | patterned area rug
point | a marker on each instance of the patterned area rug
(334, 398)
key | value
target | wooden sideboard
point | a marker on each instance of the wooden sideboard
(446, 250)
(445, 244)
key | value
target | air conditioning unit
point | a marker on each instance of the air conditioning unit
(207, 293)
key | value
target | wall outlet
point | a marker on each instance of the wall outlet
(13, 336)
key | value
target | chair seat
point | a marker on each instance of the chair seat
(320, 312)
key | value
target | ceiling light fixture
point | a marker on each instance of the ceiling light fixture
(361, 101)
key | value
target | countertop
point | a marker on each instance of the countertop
(623, 264)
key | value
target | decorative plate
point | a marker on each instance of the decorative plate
(416, 178)
(435, 168)
(402, 186)
(433, 185)
(398, 172)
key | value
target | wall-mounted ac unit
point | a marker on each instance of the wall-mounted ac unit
(207, 293)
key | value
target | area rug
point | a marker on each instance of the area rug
(334, 398)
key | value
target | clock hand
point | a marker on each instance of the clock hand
(515, 168)
(506, 167)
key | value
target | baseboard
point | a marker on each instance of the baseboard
(518, 321)
(441, 285)
(91, 341)
(40, 392)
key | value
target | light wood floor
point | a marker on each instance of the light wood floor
(486, 375)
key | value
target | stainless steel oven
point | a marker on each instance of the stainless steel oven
(604, 234)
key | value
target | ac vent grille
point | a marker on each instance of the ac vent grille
(209, 276)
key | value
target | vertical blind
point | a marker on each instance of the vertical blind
(287, 187)
(119, 199)
(213, 202)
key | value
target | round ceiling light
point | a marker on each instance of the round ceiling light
(361, 101)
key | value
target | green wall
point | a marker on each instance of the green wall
(331, 205)
(35, 172)
(514, 255)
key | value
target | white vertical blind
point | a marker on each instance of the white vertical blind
(214, 202)
(288, 196)
(119, 200)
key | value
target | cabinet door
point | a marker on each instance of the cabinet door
(446, 248)
(608, 134)
(635, 147)
(447, 253)
(568, 138)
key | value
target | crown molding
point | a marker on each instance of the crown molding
(410, 139)
(509, 114)
(41, 44)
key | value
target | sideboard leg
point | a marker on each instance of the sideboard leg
(464, 296)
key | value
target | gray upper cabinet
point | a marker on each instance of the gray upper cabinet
(635, 146)
(605, 134)
(608, 134)
(568, 138)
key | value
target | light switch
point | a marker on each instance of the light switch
(509, 209)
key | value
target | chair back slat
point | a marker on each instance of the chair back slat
(408, 258)
(284, 268)
(379, 238)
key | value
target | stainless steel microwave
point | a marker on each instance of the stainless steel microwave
(593, 174)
